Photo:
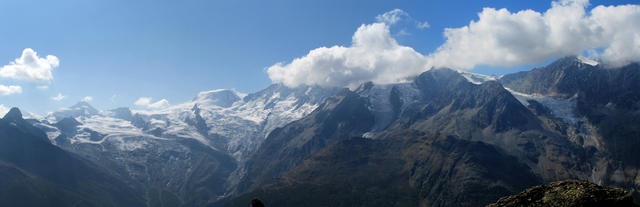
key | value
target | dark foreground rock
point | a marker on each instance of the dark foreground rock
(568, 193)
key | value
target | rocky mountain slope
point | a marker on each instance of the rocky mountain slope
(447, 138)
(189, 154)
(605, 112)
(453, 139)
(36, 173)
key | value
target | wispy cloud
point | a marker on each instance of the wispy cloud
(423, 25)
(8, 90)
(87, 99)
(30, 67)
(392, 17)
(146, 102)
(59, 97)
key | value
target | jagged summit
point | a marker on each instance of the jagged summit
(80, 109)
(13, 114)
(450, 138)
(574, 61)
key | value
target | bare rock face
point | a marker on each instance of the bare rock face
(568, 193)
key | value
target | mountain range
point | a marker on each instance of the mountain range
(445, 138)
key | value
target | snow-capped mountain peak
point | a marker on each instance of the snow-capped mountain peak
(222, 119)
(219, 97)
(80, 109)
(476, 78)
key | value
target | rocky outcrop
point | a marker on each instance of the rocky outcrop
(568, 193)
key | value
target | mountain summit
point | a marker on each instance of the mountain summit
(80, 109)
(13, 114)
(220, 97)
(455, 139)
(447, 138)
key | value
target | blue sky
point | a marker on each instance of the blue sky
(118, 51)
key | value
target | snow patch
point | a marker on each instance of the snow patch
(587, 61)
(379, 103)
(564, 109)
(53, 134)
(476, 78)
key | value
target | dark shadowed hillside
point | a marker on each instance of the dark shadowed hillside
(37, 173)
(449, 143)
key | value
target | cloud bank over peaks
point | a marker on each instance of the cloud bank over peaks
(146, 102)
(30, 67)
(373, 56)
(498, 38)
(502, 38)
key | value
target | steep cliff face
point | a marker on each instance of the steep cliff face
(603, 115)
(443, 141)
(341, 116)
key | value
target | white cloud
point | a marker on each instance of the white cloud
(373, 56)
(8, 90)
(42, 87)
(146, 102)
(87, 99)
(498, 38)
(502, 38)
(30, 67)
(3, 110)
(391, 17)
(59, 97)
(423, 25)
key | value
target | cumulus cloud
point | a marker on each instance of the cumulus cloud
(373, 56)
(498, 38)
(59, 97)
(391, 17)
(30, 67)
(8, 90)
(87, 99)
(3, 110)
(146, 102)
(502, 38)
